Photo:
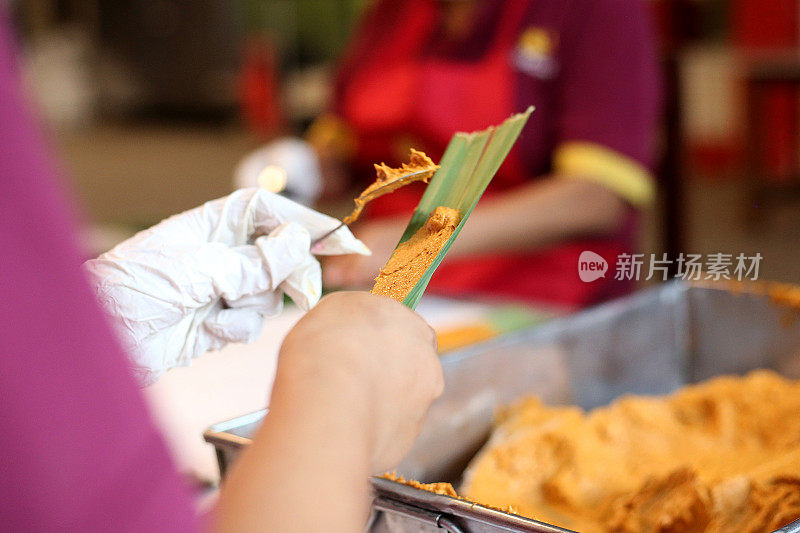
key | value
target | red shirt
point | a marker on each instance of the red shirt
(588, 66)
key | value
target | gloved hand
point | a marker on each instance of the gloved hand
(207, 277)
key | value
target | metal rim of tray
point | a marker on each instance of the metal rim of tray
(445, 511)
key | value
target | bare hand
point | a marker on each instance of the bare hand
(380, 351)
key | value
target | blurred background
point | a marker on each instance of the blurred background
(152, 104)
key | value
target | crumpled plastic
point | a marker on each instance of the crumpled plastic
(207, 277)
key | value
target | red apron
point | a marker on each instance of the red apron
(404, 99)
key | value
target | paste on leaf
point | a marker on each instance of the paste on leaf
(412, 258)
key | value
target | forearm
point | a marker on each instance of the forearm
(539, 214)
(307, 466)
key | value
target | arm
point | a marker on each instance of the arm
(308, 463)
(80, 445)
(605, 137)
(541, 213)
(606, 133)
(355, 378)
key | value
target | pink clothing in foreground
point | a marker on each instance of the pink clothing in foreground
(80, 452)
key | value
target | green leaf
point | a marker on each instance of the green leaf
(468, 165)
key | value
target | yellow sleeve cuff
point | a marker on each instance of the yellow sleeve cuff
(594, 162)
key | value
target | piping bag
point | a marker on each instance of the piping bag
(468, 165)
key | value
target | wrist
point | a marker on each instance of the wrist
(312, 433)
(334, 392)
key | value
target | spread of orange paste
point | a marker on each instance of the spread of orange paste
(720, 456)
(412, 258)
(420, 167)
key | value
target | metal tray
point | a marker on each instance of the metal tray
(652, 342)
(398, 507)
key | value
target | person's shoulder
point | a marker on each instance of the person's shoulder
(568, 11)
(622, 7)
(611, 4)
(612, 14)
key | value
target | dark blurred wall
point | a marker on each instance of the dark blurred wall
(183, 53)
(187, 53)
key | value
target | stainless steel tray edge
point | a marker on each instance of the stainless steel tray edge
(455, 510)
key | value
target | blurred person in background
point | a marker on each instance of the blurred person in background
(418, 71)
(357, 373)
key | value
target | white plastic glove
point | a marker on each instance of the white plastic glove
(201, 279)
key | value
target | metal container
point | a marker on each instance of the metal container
(650, 343)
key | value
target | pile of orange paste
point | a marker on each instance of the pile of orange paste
(722, 456)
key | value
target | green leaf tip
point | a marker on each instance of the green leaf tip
(467, 167)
